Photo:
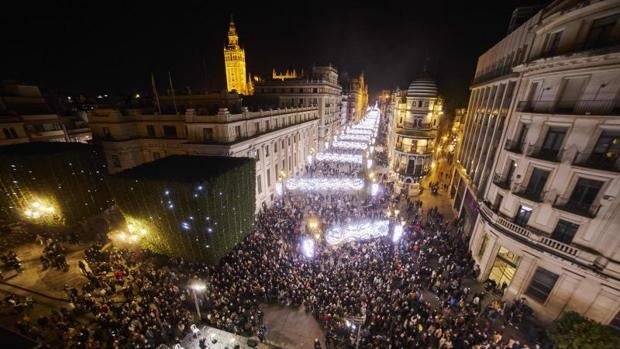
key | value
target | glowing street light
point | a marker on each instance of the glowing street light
(197, 286)
(279, 188)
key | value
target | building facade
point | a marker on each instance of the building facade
(280, 140)
(26, 116)
(538, 171)
(415, 116)
(320, 90)
(234, 62)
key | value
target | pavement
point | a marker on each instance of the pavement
(218, 339)
(291, 328)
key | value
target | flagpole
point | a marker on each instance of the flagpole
(155, 94)
(174, 98)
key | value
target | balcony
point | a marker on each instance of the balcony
(578, 208)
(600, 163)
(513, 146)
(527, 193)
(581, 107)
(413, 149)
(537, 239)
(501, 181)
(544, 154)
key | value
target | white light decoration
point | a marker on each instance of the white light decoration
(361, 230)
(398, 232)
(307, 247)
(360, 132)
(337, 157)
(309, 159)
(374, 189)
(369, 163)
(350, 145)
(361, 138)
(279, 189)
(327, 183)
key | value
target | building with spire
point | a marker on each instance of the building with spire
(234, 61)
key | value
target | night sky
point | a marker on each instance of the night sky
(113, 46)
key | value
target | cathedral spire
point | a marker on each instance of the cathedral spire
(233, 38)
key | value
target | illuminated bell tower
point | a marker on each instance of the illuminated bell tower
(234, 61)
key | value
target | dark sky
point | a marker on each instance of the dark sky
(113, 46)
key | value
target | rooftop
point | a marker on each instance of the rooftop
(185, 168)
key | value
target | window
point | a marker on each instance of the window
(541, 284)
(601, 32)
(170, 131)
(564, 231)
(523, 215)
(275, 147)
(267, 125)
(553, 142)
(537, 182)
(150, 130)
(257, 126)
(257, 155)
(268, 178)
(207, 134)
(116, 161)
(277, 173)
(553, 43)
(607, 147)
(523, 136)
(259, 184)
(106, 133)
(156, 155)
(9, 133)
(315, 90)
(237, 131)
(584, 194)
(267, 151)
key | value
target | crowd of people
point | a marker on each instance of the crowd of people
(371, 294)
(54, 254)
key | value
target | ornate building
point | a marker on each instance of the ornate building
(279, 140)
(538, 180)
(234, 61)
(415, 115)
(320, 89)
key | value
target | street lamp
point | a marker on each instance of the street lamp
(197, 286)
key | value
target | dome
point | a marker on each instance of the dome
(423, 87)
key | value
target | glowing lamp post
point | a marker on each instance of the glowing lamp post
(307, 247)
(39, 210)
(197, 286)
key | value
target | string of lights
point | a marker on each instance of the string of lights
(337, 157)
(361, 230)
(324, 184)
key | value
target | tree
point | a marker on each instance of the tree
(573, 331)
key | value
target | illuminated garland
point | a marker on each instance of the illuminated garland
(361, 230)
(336, 157)
(349, 137)
(324, 184)
(350, 145)
(355, 131)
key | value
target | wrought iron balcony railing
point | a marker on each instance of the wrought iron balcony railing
(501, 181)
(589, 210)
(579, 107)
(513, 146)
(528, 193)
